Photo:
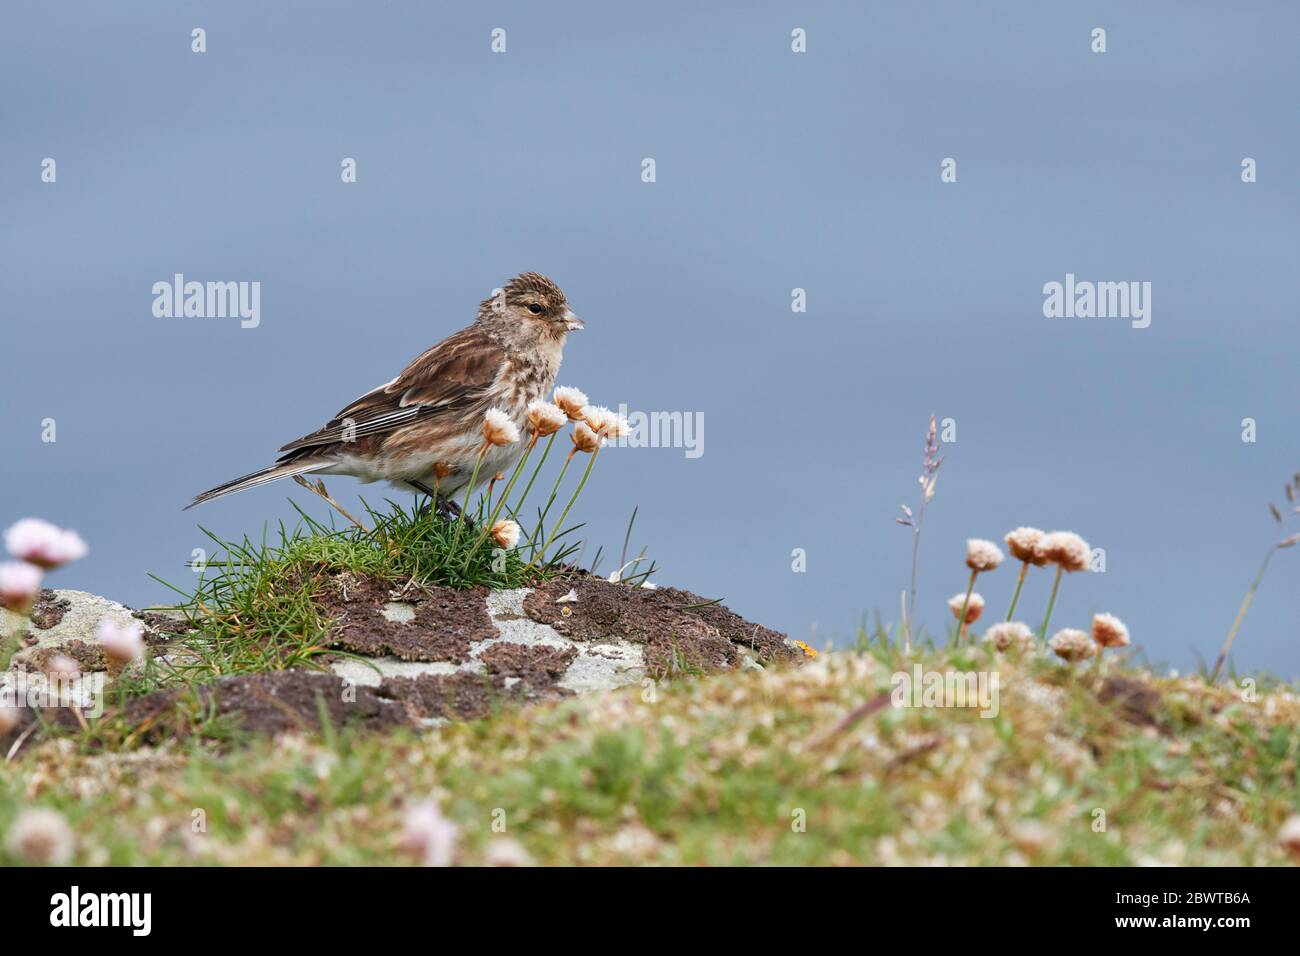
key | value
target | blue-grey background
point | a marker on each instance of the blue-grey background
(775, 171)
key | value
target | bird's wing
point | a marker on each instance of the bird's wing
(452, 376)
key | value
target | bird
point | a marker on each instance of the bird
(422, 431)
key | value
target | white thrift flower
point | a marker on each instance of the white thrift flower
(572, 401)
(506, 852)
(604, 422)
(1021, 543)
(1064, 548)
(20, 584)
(62, 666)
(1109, 631)
(584, 439)
(544, 418)
(41, 543)
(1289, 835)
(506, 534)
(430, 835)
(973, 609)
(1010, 635)
(498, 429)
(41, 836)
(982, 555)
(122, 643)
(1070, 644)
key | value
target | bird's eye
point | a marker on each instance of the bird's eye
(535, 309)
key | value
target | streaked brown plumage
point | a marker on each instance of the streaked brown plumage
(425, 423)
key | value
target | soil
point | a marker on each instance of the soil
(161, 628)
(466, 695)
(681, 631)
(1134, 701)
(446, 620)
(523, 660)
(89, 657)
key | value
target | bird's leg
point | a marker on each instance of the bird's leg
(445, 506)
(451, 511)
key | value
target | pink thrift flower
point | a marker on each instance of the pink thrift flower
(19, 586)
(41, 543)
(122, 643)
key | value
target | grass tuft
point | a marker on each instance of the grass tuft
(254, 609)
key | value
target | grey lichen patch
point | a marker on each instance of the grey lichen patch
(67, 621)
(603, 667)
(399, 612)
(371, 671)
(593, 667)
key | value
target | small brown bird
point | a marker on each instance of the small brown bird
(424, 428)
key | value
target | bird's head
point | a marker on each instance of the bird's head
(529, 307)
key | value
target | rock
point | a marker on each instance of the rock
(425, 655)
(63, 622)
(517, 645)
(677, 631)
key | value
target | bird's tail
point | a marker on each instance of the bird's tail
(282, 470)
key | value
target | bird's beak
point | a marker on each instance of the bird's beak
(571, 322)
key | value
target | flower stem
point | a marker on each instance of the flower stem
(1020, 582)
(491, 521)
(541, 519)
(1241, 615)
(529, 487)
(1051, 603)
(911, 613)
(565, 513)
(464, 509)
(961, 629)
